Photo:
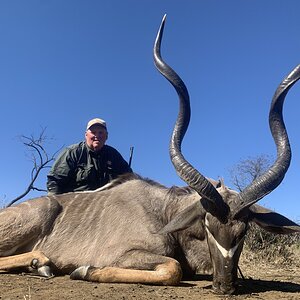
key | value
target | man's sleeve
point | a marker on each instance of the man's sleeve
(58, 178)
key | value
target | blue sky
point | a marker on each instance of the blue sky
(63, 62)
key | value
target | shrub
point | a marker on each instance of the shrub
(277, 248)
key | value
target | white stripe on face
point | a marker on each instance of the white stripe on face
(226, 253)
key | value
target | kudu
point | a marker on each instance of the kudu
(137, 231)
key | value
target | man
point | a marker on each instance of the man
(87, 165)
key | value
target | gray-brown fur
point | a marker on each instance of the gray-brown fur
(104, 228)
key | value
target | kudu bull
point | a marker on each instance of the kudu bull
(136, 231)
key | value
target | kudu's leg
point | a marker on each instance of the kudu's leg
(34, 259)
(160, 270)
(21, 228)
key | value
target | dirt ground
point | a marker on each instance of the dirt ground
(262, 281)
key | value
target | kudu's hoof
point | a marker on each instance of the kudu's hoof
(45, 271)
(79, 273)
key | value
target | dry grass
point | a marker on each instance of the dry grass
(28, 295)
(263, 246)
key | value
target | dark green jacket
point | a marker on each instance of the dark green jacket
(78, 168)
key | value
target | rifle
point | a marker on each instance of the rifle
(131, 154)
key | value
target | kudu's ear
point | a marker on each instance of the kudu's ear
(184, 219)
(272, 221)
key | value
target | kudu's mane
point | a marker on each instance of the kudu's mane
(172, 191)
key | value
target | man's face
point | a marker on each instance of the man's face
(96, 137)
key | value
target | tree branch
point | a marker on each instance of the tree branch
(40, 158)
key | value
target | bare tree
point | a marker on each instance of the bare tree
(245, 171)
(260, 243)
(40, 159)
